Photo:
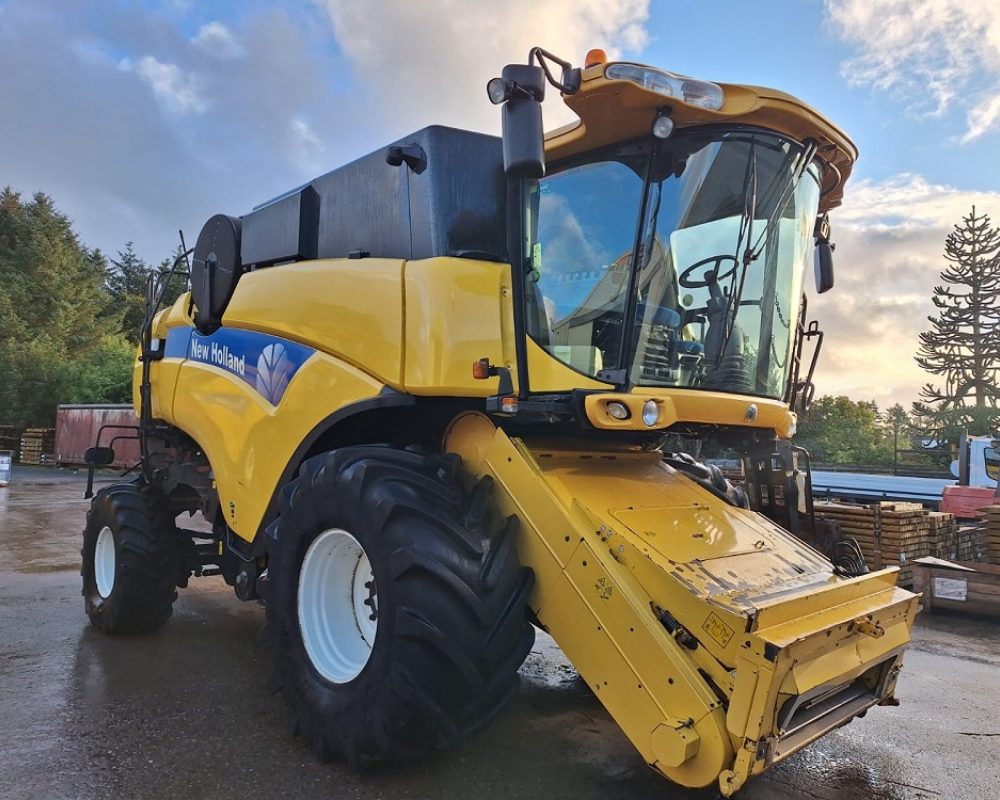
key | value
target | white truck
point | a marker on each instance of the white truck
(978, 462)
(977, 469)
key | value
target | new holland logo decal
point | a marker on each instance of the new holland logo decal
(266, 363)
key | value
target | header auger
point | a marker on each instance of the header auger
(423, 399)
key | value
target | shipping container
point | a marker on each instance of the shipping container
(77, 427)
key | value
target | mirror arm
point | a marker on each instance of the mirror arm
(571, 77)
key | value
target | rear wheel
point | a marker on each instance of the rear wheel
(131, 559)
(396, 604)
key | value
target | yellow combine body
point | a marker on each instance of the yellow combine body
(720, 642)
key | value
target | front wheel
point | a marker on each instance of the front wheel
(396, 603)
(131, 559)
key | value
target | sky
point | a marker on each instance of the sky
(142, 118)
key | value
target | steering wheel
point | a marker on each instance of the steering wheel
(712, 275)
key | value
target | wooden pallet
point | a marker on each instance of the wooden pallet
(991, 533)
(971, 542)
(952, 541)
(889, 534)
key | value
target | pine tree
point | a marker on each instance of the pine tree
(963, 344)
(53, 307)
(126, 282)
(179, 283)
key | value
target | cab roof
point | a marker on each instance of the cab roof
(618, 110)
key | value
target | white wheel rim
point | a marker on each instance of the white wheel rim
(104, 562)
(338, 605)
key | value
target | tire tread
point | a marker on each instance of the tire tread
(459, 628)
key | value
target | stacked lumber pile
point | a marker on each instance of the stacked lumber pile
(970, 541)
(956, 541)
(992, 534)
(890, 534)
(38, 446)
(942, 528)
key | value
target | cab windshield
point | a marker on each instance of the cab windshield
(697, 244)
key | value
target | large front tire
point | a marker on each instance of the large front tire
(131, 559)
(396, 603)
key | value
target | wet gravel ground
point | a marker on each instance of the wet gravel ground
(183, 713)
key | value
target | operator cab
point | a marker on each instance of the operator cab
(716, 201)
(663, 246)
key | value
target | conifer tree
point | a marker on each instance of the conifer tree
(962, 346)
(53, 307)
(126, 284)
(179, 283)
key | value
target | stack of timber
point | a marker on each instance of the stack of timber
(890, 534)
(992, 534)
(38, 446)
(970, 541)
(956, 540)
(942, 528)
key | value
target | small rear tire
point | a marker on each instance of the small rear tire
(396, 605)
(131, 559)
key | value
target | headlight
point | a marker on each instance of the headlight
(663, 126)
(650, 413)
(618, 410)
(496, 90)
(692, 91)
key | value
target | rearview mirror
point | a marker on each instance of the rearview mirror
(99, 456)
(521, 88)
(824, 266)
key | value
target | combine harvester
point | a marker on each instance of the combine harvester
(421, 400)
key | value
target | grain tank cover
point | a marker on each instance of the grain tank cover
(437, 192)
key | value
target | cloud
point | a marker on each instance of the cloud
(931, 54)
(175, 116)
(217, 41)
(176, 90)
(890, 240)
(429, 62)
(909, 202)
(982, 119)
(177, 135)
(306, 145)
